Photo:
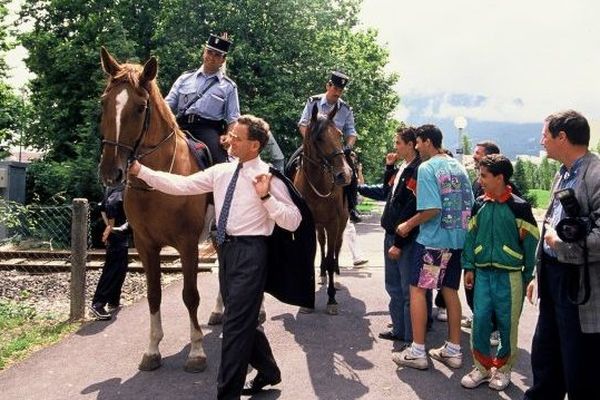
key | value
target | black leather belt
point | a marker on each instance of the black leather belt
(196, 120)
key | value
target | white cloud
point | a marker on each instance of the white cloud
(527, 58)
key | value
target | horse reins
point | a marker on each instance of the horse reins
(134, 149)
(327, 168)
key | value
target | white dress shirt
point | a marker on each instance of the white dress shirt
(248, 215)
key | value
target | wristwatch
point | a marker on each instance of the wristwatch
(266, 196)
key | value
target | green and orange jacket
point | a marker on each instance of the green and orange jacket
(502, 234)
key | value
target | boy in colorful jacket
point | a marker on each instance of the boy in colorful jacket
(501, 244)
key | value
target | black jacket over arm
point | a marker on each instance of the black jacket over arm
(291, 263)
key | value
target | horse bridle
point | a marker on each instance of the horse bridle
(133, 150)
(326, 164)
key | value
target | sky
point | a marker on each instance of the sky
(497, 61)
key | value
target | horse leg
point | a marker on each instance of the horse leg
(322, 238)
(336, 254)
(196, 361)
(151, 359)
(332, 308)
(332, 305)
(216, 316)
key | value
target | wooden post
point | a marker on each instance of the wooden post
(79, 233)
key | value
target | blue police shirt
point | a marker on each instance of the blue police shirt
(344, 118)
(220, 102)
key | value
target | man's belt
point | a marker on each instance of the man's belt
(195, 120)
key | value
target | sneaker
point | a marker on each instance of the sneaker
(500, 380)
(360, 262)
(467, 322)
(99, 312)
(355, 216)
(441, 354)
(495, 339)
(442, 315)
(406, 358)
(475, 378)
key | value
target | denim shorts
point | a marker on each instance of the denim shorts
(452, 274)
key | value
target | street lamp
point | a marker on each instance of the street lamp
(460, 123)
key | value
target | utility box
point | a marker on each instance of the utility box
(3, 177)
(12, 184)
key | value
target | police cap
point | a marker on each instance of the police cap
(339, 79)
(219, 44)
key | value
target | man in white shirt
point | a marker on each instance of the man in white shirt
(258, 203)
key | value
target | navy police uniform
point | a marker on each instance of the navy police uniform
(206, 103)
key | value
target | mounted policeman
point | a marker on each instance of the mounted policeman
(205, 101)
(344, 121)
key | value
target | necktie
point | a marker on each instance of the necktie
(222, 223)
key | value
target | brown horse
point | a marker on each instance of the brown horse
(137, 123)
(323, 173)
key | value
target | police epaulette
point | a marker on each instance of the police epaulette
(228, 79)
(315, 98)
(344, 104)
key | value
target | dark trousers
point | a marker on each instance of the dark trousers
(563, 359)
(210, 137)
(113, 274)
(351, 190)
(242, 276)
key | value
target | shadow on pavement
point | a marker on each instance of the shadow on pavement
(332, 345)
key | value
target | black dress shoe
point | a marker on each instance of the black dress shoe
(388, 335)
(258, 383)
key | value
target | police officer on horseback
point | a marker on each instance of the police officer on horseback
(344, 121)
(205, 100)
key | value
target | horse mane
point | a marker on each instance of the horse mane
(130, 73)
(317, 128)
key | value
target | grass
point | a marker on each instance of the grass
(22, 331)
(366, 206)
(542, 196)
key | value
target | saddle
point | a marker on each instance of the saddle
(200, 151)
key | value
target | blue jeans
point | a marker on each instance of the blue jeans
(397, 284)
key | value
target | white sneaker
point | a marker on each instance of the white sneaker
(495, 339)
(442, 315)
(406, 358)
(500, 380)
(475, 378)
(442, 354)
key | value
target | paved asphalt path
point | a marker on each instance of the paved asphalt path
(321, 357)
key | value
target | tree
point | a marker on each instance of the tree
(10, 104)
(283, 52)
(466, 144)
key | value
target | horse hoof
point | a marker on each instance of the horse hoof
(195, 364)
(306, 310)
(338, 286)
(332, 309)
(262, 317)
(322, 280)
(150, 362)
(215, 318)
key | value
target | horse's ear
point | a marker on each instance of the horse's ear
(149, 72)
(109, 64)
(314, 114)
(333, 112)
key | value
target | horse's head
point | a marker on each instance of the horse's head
(125, 114)
(323, 144)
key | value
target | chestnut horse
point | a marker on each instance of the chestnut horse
(320, 179)
(137, 123)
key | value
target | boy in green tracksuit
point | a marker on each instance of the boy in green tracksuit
(500, 244)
